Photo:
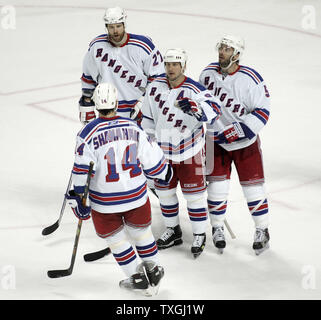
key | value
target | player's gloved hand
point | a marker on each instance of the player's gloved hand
(81, 212)
(235, 131)
(168, 177)
(191, 108)
(86, 109)
(135, 113)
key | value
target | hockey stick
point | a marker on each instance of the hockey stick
(229, 229)
(93, 256)
(68, 272)
(54, 227)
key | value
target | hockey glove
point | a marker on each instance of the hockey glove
(168, 177)
(135, 113)
(191, 108)
(235, 131)
(86, 109)
(81, 212)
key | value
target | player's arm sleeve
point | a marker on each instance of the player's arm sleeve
(148, 122)
(83, 157)
(89, 72)
(152, 158)
(210, 106)
(259, 102)
(154, 65)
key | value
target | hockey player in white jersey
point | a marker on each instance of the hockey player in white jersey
(245, 103)
(128, 61)
(175, 110)
(122, 154)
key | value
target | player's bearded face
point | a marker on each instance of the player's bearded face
(116, 32)
(224, 55)
(173, 70)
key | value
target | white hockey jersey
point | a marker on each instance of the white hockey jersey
(243, 96)
(181, 136)
(122, 154)
(129, 67)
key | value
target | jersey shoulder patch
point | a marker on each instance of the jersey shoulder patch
(214, 66)
(142, 42)
(161, 77)
(100, 38)
(193, 85)
(251, 73)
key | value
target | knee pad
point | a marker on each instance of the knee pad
(254, 192)
(195, 197)
(218, 190)
(167, 196)
(197, 205)
(117, 240)
(140, 234)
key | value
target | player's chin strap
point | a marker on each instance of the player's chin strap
(224, 70)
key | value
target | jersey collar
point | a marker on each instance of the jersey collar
(109, 118)
(123, 45)
(228, 74)
(178, 85)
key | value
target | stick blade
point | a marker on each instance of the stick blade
(96, 255)
(50, 229)
(58, 273)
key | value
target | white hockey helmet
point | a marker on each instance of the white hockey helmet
(115, 15)
(235, 42)
(105, 96)
(176, 55)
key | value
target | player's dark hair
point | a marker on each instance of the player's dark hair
(106, 112)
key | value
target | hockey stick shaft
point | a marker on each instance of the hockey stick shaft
(229, 229)
(54, 227)
(67, 272)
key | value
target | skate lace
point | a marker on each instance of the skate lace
(198, 241)
(167, 234)
(219, 234)
(259, 235)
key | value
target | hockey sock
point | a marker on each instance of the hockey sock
(145, 243)
(259, 210)
(257, 204)
(197, 211)
(169, 206)
(123, 252)
(217, 201)
(217, 210)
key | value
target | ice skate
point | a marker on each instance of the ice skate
(198, 244)
(219, 238)
(171, 237)
(138, 282)
(154, 275)
(261, 240)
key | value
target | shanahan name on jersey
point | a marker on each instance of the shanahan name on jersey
(244, 97)
(180, 135)
(122, 154)
(129, 67)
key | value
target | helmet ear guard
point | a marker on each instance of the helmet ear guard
(105, 97)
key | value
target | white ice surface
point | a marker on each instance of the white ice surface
(40, 68)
